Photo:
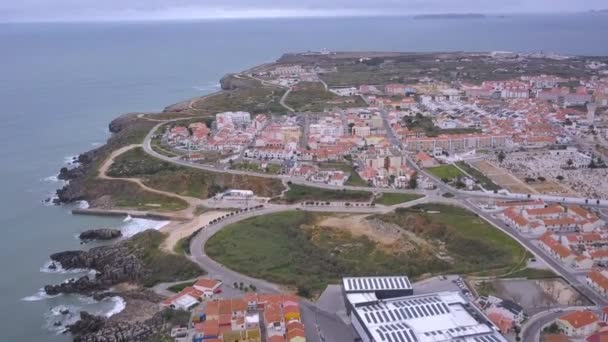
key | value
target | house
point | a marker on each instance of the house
(207, 286)
(552, 211)
(424, 160)
(578, 323)
(565, 224)
(555, 338)
(209, 329)
(598, 280)
(582, 262)
(512, 218)
(503, 323)
(600, 336)
(555, 249)
(184, 300)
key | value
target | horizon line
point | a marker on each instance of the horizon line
(315, 15)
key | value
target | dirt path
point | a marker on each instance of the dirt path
(102, 174)
(179, 230)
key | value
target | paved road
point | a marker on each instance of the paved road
(461, 198)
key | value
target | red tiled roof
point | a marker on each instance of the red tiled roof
(578, 319)
(598, 278)
(207, 283)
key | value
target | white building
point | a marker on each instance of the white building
(382, 309)
(235, 195)
(232, 119)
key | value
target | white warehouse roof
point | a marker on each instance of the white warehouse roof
(360, 284)
(438, 317)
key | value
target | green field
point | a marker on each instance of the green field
(531, 273)
(396, 198)
(287, 248)
(481, 247)
(293, 248)
(445, 172)
(186, 181)
(273, 169)
(312, 97)
(160, 266)
(300, 193)
(180, 286)
(256, 98)
(479, 176)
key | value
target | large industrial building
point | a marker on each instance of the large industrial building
(384, 309)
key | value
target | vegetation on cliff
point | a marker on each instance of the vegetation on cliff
(186, 181)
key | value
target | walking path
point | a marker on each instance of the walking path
(103, 169)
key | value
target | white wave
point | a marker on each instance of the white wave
(59, 269)
(40, 295)
(119, 305)
(208, 87)
(71, 160)
(137, 225)
(53, 179)
(52, 198)
(83, 205)
(127, 219)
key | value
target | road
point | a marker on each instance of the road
(462, 198)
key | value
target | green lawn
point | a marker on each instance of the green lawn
(445, 172)
(186, 181)
(484, 181)
(255, 167)
(396, 198)
(481, 246)
(160, 266)
(288, 248)
(312, 97)
(294, 249)
(300, 193)
(532, 273)
(178, 287)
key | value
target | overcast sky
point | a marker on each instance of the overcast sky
(84, 10)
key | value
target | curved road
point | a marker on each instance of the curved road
(461, 197)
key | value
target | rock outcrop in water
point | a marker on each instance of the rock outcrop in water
(92, 328)
(100, 234)
(114, 264)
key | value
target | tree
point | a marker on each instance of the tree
(501, 156)
(350, 127)
(592, 164)
(560, 178)
(569, 163)
(413, 182)
(304, 291)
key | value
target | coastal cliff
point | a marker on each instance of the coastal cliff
(137, 260)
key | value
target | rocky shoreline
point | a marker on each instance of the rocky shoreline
(122, 269)
(114, 264)
(141, 320)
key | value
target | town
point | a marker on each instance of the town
(531, 135)
(385, 197)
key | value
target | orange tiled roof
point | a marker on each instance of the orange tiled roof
(598, 278)
(558, 248)
(580, 319)
(207, 283)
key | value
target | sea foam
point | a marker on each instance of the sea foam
(40, 295)
(133, 226)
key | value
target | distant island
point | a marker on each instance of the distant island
(451, 16)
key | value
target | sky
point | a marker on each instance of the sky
(94, 10)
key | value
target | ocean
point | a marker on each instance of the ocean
(61, 84)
